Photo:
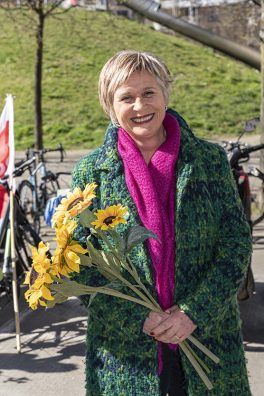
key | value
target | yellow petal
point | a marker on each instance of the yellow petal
(47, 278)
(72, 260)
(35, 295)
(45, 292)
(77, 248)
(27, 278)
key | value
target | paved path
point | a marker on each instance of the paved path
(52, 358)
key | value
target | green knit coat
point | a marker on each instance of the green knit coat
(213, 248)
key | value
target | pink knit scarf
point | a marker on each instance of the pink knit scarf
(152, 188)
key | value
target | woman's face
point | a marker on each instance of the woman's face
(139, 106)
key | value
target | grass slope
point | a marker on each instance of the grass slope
(214, 93)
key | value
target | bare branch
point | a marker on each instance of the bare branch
(55, 5)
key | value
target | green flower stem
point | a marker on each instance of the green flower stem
(196, 366)
(111, 292)
(205, 350)
(127, 283)
(199, 360)
(143, 287)
(132, 271)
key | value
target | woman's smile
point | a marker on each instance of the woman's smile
(143, 119)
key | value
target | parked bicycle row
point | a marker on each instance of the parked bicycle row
(36, 186)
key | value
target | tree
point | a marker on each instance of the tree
(42, 9)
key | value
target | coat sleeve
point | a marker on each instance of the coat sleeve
(218, 288)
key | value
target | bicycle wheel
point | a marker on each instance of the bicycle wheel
(257, 198)
(26, 195)
(26, 237)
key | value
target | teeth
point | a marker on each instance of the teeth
(143, 119)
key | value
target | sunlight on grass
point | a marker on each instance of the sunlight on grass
(214, 93)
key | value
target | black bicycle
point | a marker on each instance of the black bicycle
(41, 185)
(250, 181)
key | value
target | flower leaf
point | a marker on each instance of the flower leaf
(138, 234)
(68, 288)
(85, 260)
(58, 299)
(86, 217)
(96, 255)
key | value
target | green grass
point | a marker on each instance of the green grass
(214, 93)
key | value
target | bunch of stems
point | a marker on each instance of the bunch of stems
(113, 264)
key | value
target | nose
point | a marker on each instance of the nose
(138, 104)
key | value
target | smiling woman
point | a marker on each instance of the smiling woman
(180, 188)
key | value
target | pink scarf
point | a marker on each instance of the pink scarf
(152, 188)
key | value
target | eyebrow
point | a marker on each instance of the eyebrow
(127, 91)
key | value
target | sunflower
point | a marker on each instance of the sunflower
(39, 277)
(38, 290)
(66, 258)
(75, 203)
(110, 217)
(39, 293)
(40, 261)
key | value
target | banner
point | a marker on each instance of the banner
(7, 146)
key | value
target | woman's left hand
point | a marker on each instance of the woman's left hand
(172, 328)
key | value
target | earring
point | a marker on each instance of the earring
(166, 108)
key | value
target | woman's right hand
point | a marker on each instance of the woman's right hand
(153, 320)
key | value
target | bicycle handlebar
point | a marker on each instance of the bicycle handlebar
(239, 153)
(42, 152)
(21, 166)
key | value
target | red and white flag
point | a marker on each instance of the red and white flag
(7, 146)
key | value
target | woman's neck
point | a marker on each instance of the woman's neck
(147, 147)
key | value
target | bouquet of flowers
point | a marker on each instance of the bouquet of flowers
(50, 277)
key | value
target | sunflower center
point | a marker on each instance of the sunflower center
(73, 203)
(109, 220)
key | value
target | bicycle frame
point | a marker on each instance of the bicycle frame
(38, 205)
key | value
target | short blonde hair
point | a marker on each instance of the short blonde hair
(120, 67)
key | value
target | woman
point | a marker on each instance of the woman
(182, 189)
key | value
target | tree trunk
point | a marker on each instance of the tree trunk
(38, 83)
(262, 83)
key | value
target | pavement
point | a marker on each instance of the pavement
(51, 361)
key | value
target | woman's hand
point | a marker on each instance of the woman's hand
(170, 327)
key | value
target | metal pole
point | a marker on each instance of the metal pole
(14, 273)
(150, 10)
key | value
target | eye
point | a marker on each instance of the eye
(126, 99)
(148, 94)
